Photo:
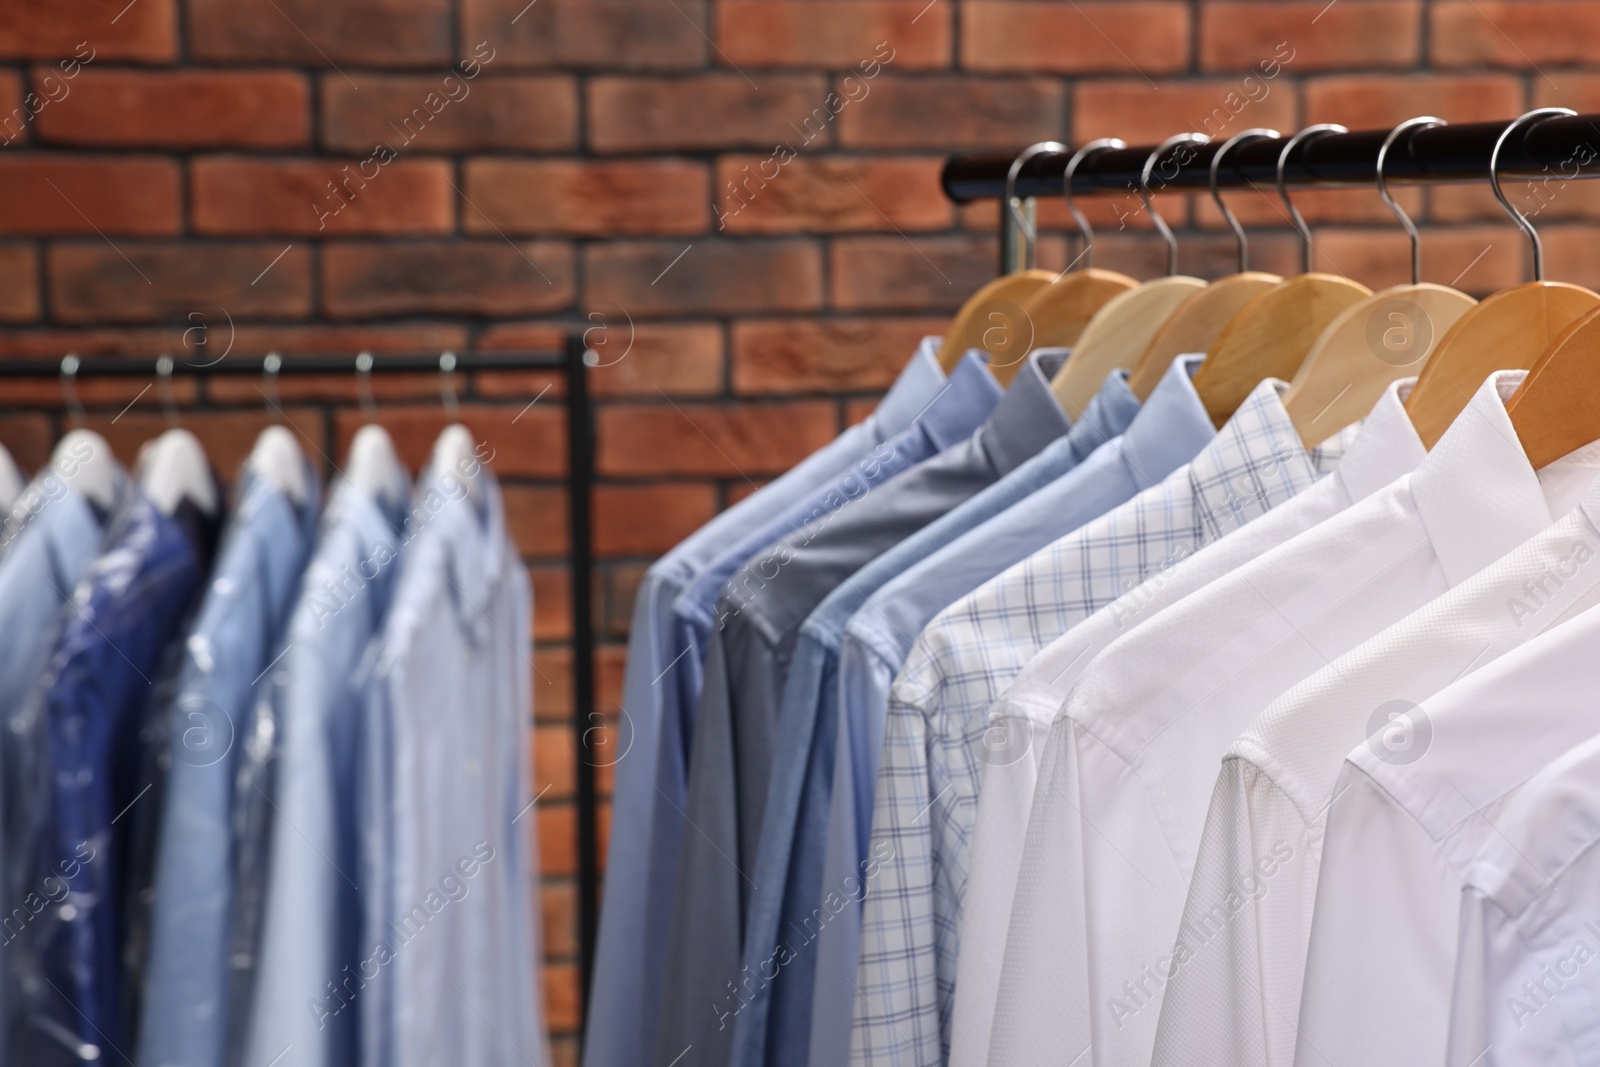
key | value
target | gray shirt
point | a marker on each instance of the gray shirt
(760, 613)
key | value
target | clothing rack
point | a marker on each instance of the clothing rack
(1557, 147)
(580, 485)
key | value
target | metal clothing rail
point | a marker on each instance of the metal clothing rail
(580, 488)
(1558, 147)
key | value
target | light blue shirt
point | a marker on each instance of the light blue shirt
(186, 1016)
(1035, 503)
(315, 696)
(649, 750)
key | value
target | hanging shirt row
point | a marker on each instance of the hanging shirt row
(1203, 718)
(264, 766)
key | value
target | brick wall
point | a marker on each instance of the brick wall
(742, 193)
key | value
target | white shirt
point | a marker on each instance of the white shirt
(1099, 900)
(1238, 1000)
(1527, 983)
(1385, 448)
(1401, 839)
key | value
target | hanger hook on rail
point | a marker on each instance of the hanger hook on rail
(369, 409)
(1257, 134)
(1025, 226)
(1300, 225)
(271, 364)
(447, 385)
(1149, 205)
(1093, 148)
(1494, 180)
(1421, 122)
(169, 406)
(69, 389)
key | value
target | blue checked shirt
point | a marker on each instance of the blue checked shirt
(761, 611)
(790, 850)
(649, 751)
(935, 736)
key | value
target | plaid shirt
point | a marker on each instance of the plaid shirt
(936, 735)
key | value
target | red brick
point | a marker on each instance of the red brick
(530, 446)
(564, 1050)
(1362, 101)
(559, 912)
(562, 992)
(1528, 33)
(96, 392)
(238, 197)
(824, 355)
(529, 113)
(122, 341)
(16, 110)
(1141, 113)
(647, 520)
(28, 437)
(830, 195)
(19, 283)
(1305, 35)
(948, 112)
(626, 34)
(112, 196)
(648, 278)
(92, 30)
(866, 35)
(923, 274)
(708, 112)
(250, 342)
(554, 759)
(1262, 207)
(167, 281)
(536, 517)
(1474, 259)
(1577, 89)
(1544, 201)
(228, 436)
(858, 409)
(587, 199)
(178, 109)
(387, 33)
(552, 613)
(636, 359)
(621, 588)
(558, 850)
(1570, 255)
(1090, 37)
(706, 439)
(493, 278)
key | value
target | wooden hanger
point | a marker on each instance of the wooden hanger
(1514, 328)
(1119, 331)
(1198, 320)
(1375, 341)
(992, 317)
(1271, 335)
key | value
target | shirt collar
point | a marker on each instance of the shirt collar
(1170, 427)
(1385, 448)
(1476, 492)
(1028, 417)
(919, 382)
(961, 406)
(474, 533)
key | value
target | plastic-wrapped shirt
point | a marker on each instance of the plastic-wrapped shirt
(234, 639)
(316, 693)
(450, 926)
(127, 610)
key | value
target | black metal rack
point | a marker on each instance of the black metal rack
(1557, 146)
(580, 485)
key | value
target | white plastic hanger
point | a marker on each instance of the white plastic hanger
(277, 458)
(455, 450)
(173, 467)
(82, 458)
(372, 465)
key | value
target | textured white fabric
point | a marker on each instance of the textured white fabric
(1385, 448)
(1237, 1000)
(1121, 800)
(1401, 839)
(1527, 983)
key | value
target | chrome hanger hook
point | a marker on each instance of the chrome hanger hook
(1494, 181)
(1298, 219)
(271, 364)
(369, 409)
(1421, 122)
(1258, 134)
(69, 388)
(447, 384)
(1093, 148)
(1030, 233)
(169, 406)
(1144, 193)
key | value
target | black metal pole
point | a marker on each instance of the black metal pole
(1556, 148)
(580, 465)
